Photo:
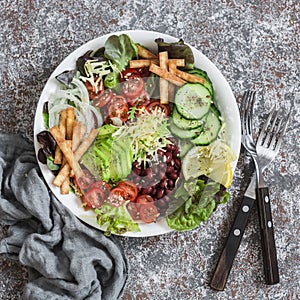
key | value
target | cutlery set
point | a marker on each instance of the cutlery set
(263, 153)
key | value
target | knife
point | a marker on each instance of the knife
(234, 238)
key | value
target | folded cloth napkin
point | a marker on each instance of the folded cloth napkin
(65, 258)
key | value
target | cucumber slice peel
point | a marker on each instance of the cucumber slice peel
(211, 129)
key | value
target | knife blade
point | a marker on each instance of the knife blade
(234, 238)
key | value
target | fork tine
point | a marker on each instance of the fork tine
(243, 111)
(249, 112)
(264, 136)
(274, 139)
(280, 138)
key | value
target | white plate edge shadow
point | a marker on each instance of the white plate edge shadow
(225, 101)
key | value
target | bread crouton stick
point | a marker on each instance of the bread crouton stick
(62, 127)
(142, 63)
(145, 53)
(163, 83)
(69, 122)
(68, 153)
(84, 146)
(189, 77)
(167, 75)
(65, 187)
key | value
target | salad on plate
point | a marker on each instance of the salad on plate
(137, 136)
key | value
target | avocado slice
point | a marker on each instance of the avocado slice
(104, 164)
(106, 130)
(119, 160)
(126, 155)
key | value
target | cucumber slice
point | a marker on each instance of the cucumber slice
(193, 101)
(185, 133)
(202, 74)
(184, 123)
(210, 129)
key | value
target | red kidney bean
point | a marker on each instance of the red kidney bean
(135, 178)
(168, 191)
(160, 152)
(155, 169)
(146, 172)
(173, 175)
(137, 170)
(163, 183)
(176, 153)
(170, 183)
(161, 174)
(169, 169)
(171, 147)
(177, 162)
(150, 177)
(146, 190)
(160, 193)
(161, 203)
(153, 193)
(135, 163)
(169, 157)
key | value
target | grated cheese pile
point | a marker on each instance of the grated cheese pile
(148, 134)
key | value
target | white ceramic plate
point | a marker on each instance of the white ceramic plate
(223, 97)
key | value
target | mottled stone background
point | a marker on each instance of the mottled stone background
(256, 45)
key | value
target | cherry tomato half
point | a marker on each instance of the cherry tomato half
(94, 90)
(130, 189)
(94, 197)
(118, 108)
(132, 88)
(102, 185)
(129, 73)
(156, 105)
(144, 199)
(116, 197)
(102, 99)
(133, 211)
(148, 212)
(84, 181)
(118, 98)
(141, 101)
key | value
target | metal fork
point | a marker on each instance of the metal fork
(267, 147)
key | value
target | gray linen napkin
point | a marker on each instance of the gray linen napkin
(65, 258)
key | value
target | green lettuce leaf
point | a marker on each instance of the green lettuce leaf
(115, 220)
(190, 215)
(46, 119)
(120, 50)
(177, 50)
(51, 165)
(203, 200)
(111, 80)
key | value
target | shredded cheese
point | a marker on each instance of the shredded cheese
(148, 134)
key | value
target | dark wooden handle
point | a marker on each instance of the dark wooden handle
(267, 236)
(232, 244)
